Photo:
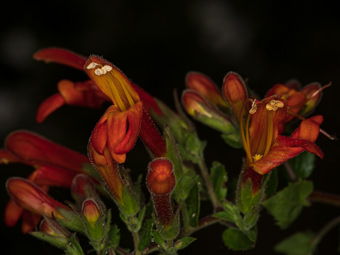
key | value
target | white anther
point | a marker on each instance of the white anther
(103, 70)
(91, 65)
(253, 108)
(273, 105)
(99, 71)
(107, 68)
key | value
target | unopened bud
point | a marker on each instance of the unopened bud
(161, 182)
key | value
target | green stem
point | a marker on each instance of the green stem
(208, 184)
(324, 197)
(136, 242)
(203, 223)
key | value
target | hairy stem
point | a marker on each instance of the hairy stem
(208, 184)
(324, 197)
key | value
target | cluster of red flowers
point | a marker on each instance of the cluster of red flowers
(257, 125)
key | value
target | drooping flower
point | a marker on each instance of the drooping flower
(261, 123)
(54, 165)
(124, 117)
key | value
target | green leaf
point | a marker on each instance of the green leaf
(158, 239)
(73, 247)
(219, 178)
(184, 242)
(303, 164)
(145, 234)
(60, 242)
(286, 205)
(193, 206)
(231, 213)
(297, 244)
(113, 237)
(236, 240)
(247, 201)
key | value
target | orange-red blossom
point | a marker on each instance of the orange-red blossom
(54, 165)
(261, 124)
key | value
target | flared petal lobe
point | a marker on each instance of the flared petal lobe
(61, 56)
(285, 148)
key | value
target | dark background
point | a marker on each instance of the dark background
(156, 44)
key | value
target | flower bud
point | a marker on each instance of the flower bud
(206, 88)
(91, 211)
(161, 182)
(235, 92)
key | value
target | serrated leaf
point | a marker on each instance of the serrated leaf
(193, 206)
(236, 240)
(286, 205)
(247, 201)
(219, 178)
(297, 244)
(303, 164)
(184, 242)
(145, 234)
(231, 213)
(113, 237)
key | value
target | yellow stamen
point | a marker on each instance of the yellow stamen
(117, 86)
(270, 131)
(257, 157)
(245, 136)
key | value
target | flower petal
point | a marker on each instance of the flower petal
(309, 129)
(36, 150)
(53, 176)
(61, 56)
(48, 106)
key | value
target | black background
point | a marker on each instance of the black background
(156, 43)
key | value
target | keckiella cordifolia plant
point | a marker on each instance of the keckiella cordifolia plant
(162, 207)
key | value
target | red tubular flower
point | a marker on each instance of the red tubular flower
(127, 114)
(161, 182)
(30, 197)
(32, 149)
(119, 128)
(260, 127)
(51, 168)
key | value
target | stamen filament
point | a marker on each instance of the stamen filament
(245, 136)
(270, 132)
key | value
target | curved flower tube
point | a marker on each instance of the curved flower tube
(107, 83)
(51, 168)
